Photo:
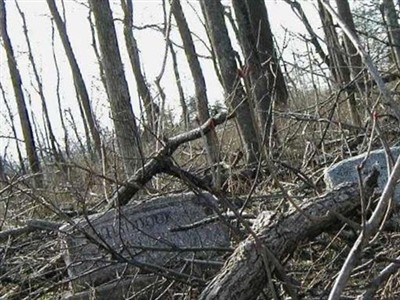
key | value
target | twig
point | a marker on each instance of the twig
(30, 226)
(382, 277)
(243, 275)
(371, 227)
(158, 163)
(379, 212)
(388, 100)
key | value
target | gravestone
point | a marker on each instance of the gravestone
(346, 170)
(151, 232)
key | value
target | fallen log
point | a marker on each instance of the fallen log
(244, 274)
(30, 226)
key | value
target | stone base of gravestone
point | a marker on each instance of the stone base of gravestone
(105, 246)
(346, 170)
(132, 286)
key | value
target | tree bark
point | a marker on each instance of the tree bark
(390, 15)
(51, 137)
(161, 161)
(339, 67)
(152, 110)
(337, 64)
(29, 140)
(124, 120)
(243, 275)
(185, 113)
(296, 7)
(58, 96)
(22, 169)
(80, 86)
(236, 98)
(199, 84)
(354, 59)
(96, 50)
(261, 28)
(252, 68)
(3, 177)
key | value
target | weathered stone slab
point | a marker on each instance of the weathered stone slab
(143, 232)
(345, 171)
(116, 289)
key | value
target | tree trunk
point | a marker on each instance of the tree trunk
(390, 16)
(244, 274)
(338, 66)
(58, 95)
(3, 177)
(236, 98)
(126, 130)
(14, 132)
(199, 84)
(211, 50)
(152, 110)
(52, 139)
(354, 59)
(296, 7)
(79, 83)
(266, 51)
(161, 162)
(252, 68)
(29, 140)
(185, 113)
(96, 50)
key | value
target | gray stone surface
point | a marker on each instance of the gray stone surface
(345, 171)
(117, 289)
(141, 232)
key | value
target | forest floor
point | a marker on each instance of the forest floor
(31, 263)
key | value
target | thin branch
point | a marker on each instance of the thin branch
(382, 277)
(157, 164)
(387, 98)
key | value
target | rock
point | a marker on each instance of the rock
(117, 289)
(145, 232)
(346, 170)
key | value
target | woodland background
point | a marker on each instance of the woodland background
(282, 121)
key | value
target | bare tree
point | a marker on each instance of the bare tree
(3, 177)
(152, 110)
(58, 95)
(185, 113)
(298, 10)
(389, 13)
(353, 59)
(51, 137)
(124, 119)
(258, 83)
(258, 16)
(80, 86)
(95, 48)
(14, 130)
(29, 140)
(336, 62)
(236, 98)
(338, 65)
(199, 83)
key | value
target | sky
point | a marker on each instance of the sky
(150, 42)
